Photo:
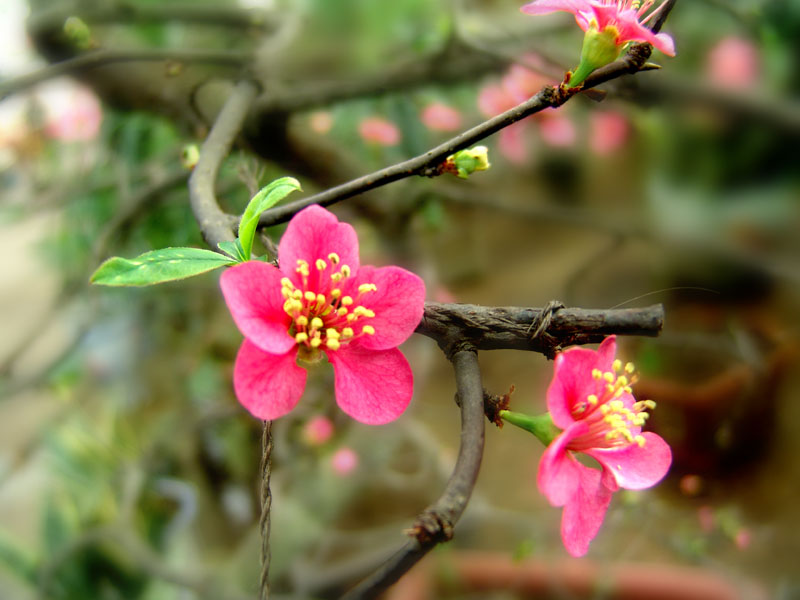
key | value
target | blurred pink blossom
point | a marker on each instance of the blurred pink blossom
(344, 461)
(72, 112)
(377, 130)
(557, 130)
(742, 538)
(608, 131)
(317, 430)
(733, 63)
(321, 122)
(438, 116)
(706, 517)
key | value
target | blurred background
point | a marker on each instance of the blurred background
(128, 469)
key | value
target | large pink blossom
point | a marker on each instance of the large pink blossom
(626, 17)
(590, 399)
(322, 300)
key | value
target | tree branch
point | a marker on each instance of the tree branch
(99, 58)
(214, 223)
(436, 523)
(513, 328)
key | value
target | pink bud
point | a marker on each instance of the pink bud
(317, 430)
(557, 130)
(733, 63)
(344, 461)
(608, 131)
(438, 116)
(377, 130)
(73, 112)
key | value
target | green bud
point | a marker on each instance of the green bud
(466, 162)
(190, 154)
(78, 32)
(540, 425)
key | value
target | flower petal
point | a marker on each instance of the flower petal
(372, 386)
(252, 292)
(636, 467)
(314, 233)
(268, 385)
(572, 379)
(398, 304)
(584, 513)
(631, 30)
(559, 473)
(541, 7)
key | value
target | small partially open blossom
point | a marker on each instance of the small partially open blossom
(590, 399)
(317, 430)
(465, 162)
(376, 130)
(72, 112)
(323, 301)
(733, 63)
(344, 461)
(438, 116)
(609, 24)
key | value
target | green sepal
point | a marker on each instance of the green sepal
(233, 249)
(158, 266)
(539, 425)
(265, 199)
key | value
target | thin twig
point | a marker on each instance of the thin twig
(99, 58)
(214, 223)
(436, 523)
(266, 506)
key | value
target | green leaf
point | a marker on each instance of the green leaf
(233, 249)
(158, 266)
(265, 199)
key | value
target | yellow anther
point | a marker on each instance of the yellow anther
(316, 323)
(361, 311)
(315, 342)
(336, 277)
(368, 330)
(617, 365)
(288, 306)
(627, 389)
(618, 392)
(321, 300)
(604, 408)
(336, 293)
(310, 296)
(639, 439)
(651, 404)
(334, 258)
(332, 344)
(301, 321)
(616, 405)
(286, 292)
(622, 380)
(367, 287)
(300, 337)
(629, 368)
(287, 283)
(297, 294)
(626, 434)
(342, 311)
(345, 271)
(592, 399)
(321, 265)
(347, 332)
(351, 317)
(302, 267)
(609, 377)
(347, 301)
(597, 374)
(331, 333)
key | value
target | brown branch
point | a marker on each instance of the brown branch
(214, 223)
(436, 522)
(513, 328)
(98, 58)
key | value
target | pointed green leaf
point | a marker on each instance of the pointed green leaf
(266, 198)
(233, 249)
(158, 266)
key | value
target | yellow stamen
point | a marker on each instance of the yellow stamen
(367, 287)
(592, 399)
(629, 368)
(597, 374)
(301, 321)
(334, 258)
(316, 323)
(332, 344)
(347, 332)
(331, 333)
(617, 365)
(347, 301)
(368, 330)
(321, 265)
(310, 296)
(315, 342)
(301, 337)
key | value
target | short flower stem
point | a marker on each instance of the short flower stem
(541, 425)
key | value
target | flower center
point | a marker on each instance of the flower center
(613, 417)
(325, 319)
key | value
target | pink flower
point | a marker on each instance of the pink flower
(321, 122)
(344, 461)
(733, 63)
(379, 131)
(73, 112)
(590, 399)
(557, 130)
(322, 300)
(438, 116)
(622, 18)
(608, 131)
(317, 430)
